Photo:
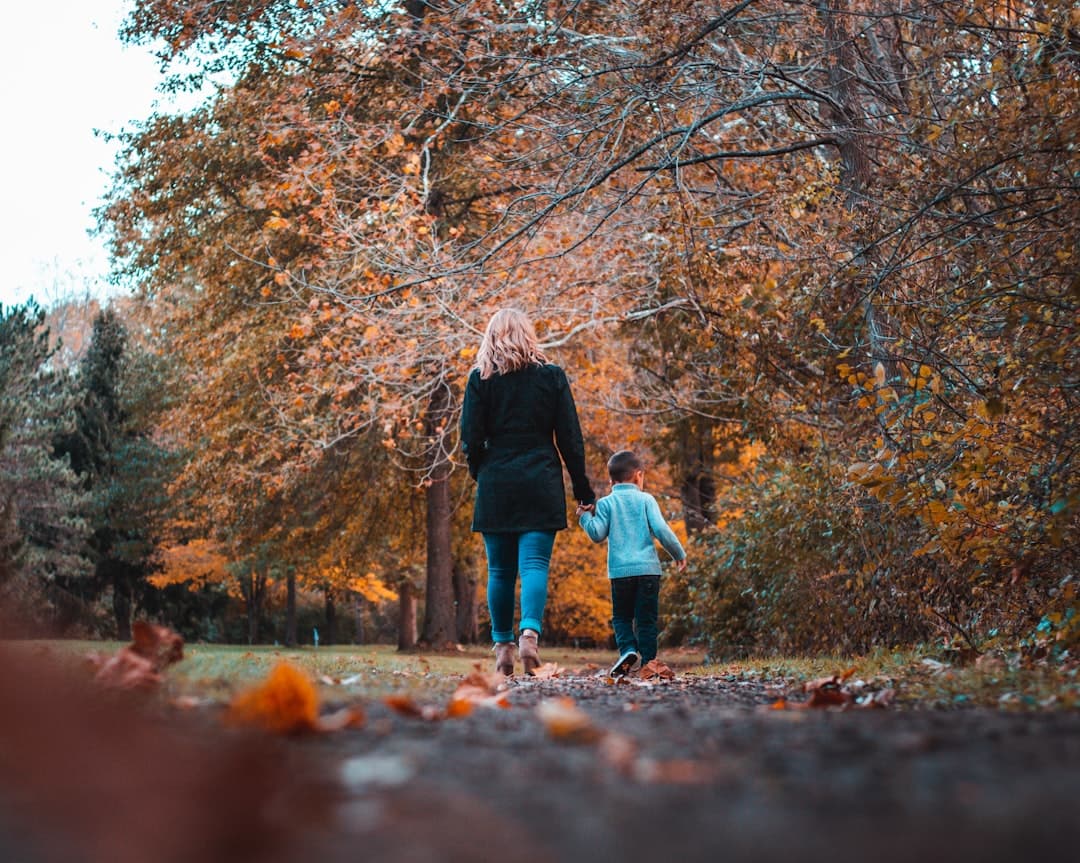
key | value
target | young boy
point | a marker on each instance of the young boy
(629, 519)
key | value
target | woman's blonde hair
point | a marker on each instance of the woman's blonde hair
(509, 344)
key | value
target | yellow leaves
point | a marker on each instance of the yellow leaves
(372, 588)
(467, 352)
(879, 374)
(394, 144)
(193, 563)
(371, 332)
(276, 222)
(937, 512)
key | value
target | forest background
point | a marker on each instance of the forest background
(816, 260)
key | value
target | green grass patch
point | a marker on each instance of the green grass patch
(218, 671)
(1001, 682)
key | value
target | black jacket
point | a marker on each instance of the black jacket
(510, 427)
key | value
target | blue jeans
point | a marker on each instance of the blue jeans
(508, 554)
(635, 605)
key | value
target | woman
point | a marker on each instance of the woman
(518, 409)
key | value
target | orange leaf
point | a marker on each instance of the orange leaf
(564, 720)
(285, 703)
(654, 669)
(548, 671)
(406, 705)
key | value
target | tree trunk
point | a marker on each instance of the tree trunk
(121, 602)
(698, 491)
(440, 627)
(465, 601)
(290, 608)
(847, 116)
(331, 619)
(406, 636)
(254, 589)
(358, 620)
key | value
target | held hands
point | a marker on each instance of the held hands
(586, 507)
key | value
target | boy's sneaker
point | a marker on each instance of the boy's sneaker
(624, 664)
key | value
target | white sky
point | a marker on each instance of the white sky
(63, 73)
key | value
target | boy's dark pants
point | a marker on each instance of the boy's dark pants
(635, 600)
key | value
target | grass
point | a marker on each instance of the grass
(1003, 682)
(217, 671)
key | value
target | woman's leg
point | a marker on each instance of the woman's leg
(502, 557)
(534, 561)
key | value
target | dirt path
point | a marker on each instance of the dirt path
(696, 769)
(699, 769)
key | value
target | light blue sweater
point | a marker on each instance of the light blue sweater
(629, 519)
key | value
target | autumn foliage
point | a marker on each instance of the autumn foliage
(815, 260)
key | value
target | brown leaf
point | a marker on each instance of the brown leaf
(139, 664)
(565, 721)
(654, 669)
(549, 671)
(405, 705)
(620, 752)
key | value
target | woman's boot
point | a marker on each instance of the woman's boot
(530, 656)
(504, 658)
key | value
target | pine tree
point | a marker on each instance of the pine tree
(42, 527)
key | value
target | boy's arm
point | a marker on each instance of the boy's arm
(661, 531)
(596, 523)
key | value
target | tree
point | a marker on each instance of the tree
(42, 527)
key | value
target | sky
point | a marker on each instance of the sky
(63, 74)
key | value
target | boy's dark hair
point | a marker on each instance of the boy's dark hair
(623, 465)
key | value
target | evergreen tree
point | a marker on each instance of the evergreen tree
(42, 508)
(119, 463)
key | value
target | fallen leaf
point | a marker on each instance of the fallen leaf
(564, 720)
(620, 752)
(881, 698)
(548, 671)
(347, 717)
(285, 703)
(139, 664)
(405, 705)
(654, 669)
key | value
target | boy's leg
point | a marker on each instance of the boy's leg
(646, 612)
(534, 561)
(623, 601)
(502, 557)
